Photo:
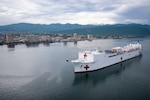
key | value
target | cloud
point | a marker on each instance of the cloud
(74, 11)
(134, 12)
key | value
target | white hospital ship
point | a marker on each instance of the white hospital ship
(91, 60)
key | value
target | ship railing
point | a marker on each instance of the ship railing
(87, 61)
(108, 51)
(82, 61)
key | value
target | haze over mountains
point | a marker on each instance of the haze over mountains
(116, 29)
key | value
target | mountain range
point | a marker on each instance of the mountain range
(116, 29)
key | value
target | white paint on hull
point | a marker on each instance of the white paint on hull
(92, 60)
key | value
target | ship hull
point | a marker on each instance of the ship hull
(104, 61)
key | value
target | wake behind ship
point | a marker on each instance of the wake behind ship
(91, 60)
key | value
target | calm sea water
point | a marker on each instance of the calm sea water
(42, 73)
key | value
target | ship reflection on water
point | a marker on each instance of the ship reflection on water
(100, 76)
(32, 44)
(11, 49)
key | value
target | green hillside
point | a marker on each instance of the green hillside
(116, 29)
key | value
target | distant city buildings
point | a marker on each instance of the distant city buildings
(9, 38)
(75, 36)
(49, 38)
(64, 36)
(45, 38)
(2, 39)
(82, 37)
(32, 38)
(89, 37)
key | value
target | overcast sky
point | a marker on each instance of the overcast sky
(74, 11)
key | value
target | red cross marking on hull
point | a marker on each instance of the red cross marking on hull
(85, 55)
(86, 67)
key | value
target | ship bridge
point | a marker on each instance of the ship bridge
(87, 56)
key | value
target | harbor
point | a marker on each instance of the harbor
(34, 73)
